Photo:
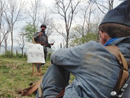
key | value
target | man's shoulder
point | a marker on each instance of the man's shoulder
(96, 46)
(94, 43)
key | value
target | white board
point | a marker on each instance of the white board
(35, 53)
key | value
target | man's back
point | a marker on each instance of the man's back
(97, 70)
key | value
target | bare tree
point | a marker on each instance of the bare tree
(5, 40)
(47, 19)
(5, 33)
(5, 37)
(21, 42)
(38, 13)
(67, 9)
(86, 18)
(2, 9)
(34, 13)
(12, 15)
(87, 13)
(110, 4)
(102, 6)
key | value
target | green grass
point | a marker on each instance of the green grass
(16, 74)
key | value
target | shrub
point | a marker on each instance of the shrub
(8, 54)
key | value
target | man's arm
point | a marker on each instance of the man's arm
(71, 56)
(36, 36)
(48, 44)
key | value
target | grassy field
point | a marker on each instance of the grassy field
(16, 74)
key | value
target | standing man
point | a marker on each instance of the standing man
(95, 68)
(41, 38)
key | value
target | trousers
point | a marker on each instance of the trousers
(54, 80)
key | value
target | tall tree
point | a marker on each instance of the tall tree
(105, 5)
(5, 33)
(12, 15)
(86, 16)
(2, 9)
(47, 20)
(67, 9)
(34, 13)
(38, 13)
(110, 6)
(21, 41)
(87, 25)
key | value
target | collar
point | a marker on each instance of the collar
(109, 41)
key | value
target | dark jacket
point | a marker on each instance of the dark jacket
(43, 40)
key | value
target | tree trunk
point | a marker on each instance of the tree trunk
(67, 38)
(5, 45)
(12, 44)
(111, 4)
(0, 47)
(0, 37)
(22, 51)
(67, 42)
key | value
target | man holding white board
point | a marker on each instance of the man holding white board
(41, 38)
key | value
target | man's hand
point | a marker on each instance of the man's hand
(51, 43)
(40, 34)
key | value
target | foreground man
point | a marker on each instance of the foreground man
(96, 70)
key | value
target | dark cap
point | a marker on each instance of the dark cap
(120, 14)
(43, 25)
